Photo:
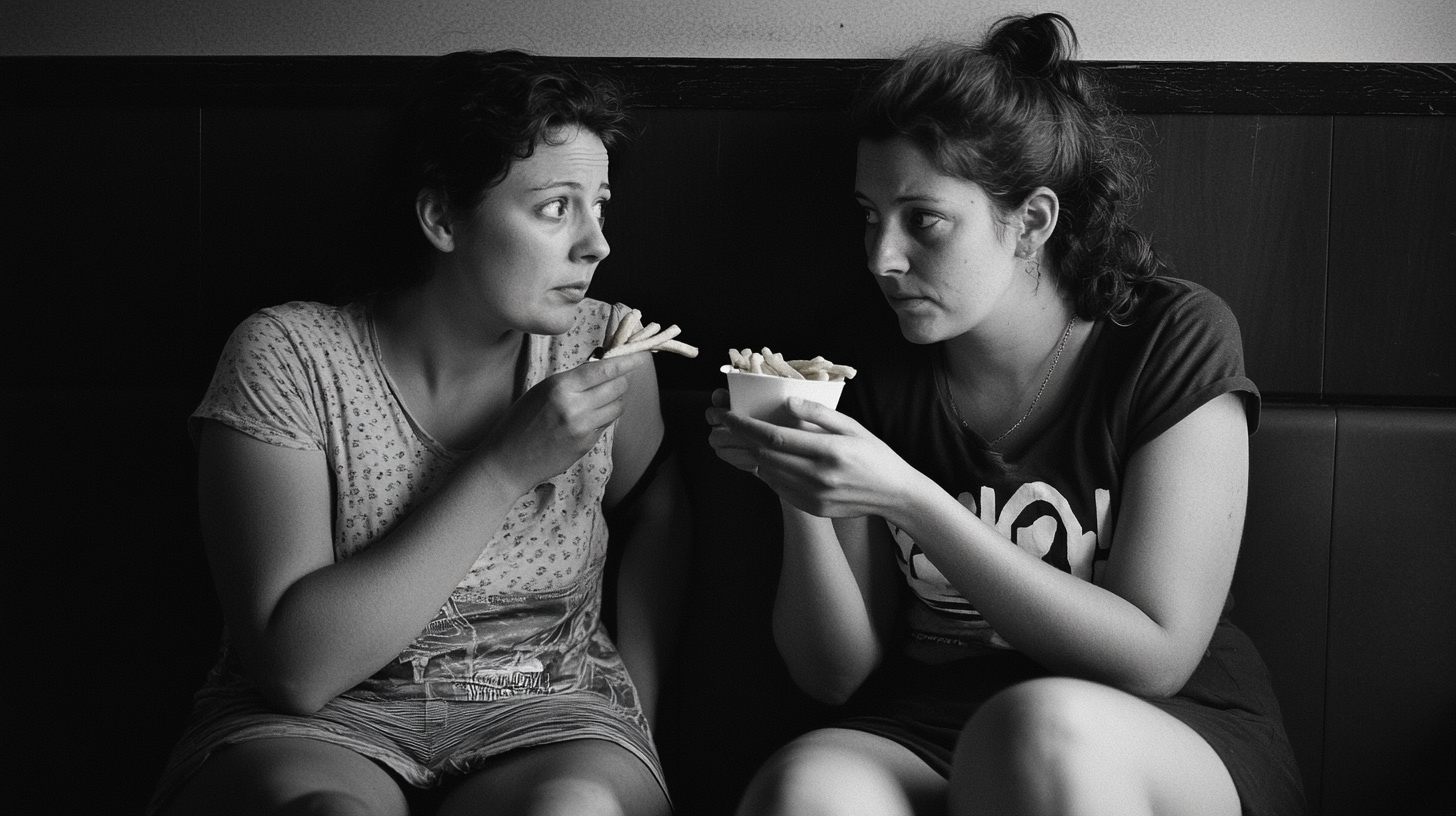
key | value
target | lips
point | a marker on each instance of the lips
(903, 297)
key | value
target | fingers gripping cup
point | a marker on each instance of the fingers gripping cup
(760, 384)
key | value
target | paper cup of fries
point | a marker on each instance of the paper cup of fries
(763, 395)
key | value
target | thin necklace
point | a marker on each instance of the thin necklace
(1048, 378)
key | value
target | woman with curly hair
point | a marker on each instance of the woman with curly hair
(402, 497)
(1010, 557)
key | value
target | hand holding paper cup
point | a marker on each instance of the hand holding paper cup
(760, 383)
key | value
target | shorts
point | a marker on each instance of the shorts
(424, 742)
(1228, 701)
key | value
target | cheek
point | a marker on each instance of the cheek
(513, 253)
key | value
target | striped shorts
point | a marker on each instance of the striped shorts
(425, 742)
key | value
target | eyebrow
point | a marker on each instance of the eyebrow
(575, 185)
(904, 199)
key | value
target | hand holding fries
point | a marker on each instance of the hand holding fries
(773, 363)
(631, 336)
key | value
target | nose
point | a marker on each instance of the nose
(591, 245)
(885, 248)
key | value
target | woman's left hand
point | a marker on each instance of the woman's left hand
(825, 464)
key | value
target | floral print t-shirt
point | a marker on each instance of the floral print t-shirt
(525, 621)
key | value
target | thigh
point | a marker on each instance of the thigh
(844, 771)
(288, 774)
(584, 777)
(1073, 746)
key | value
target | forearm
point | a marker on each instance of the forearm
(340, 623)
(825, 625)
(652, 584)
(1067, 624)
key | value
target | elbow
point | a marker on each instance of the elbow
(829, 683)
(293, 696)
(1154, 688)
(835, 695)
(289, 682)
(1162, 680)
(834, 691)
(297, 702)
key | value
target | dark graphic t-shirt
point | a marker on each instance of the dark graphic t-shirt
(1058, 498)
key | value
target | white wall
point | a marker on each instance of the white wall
(1273, 30)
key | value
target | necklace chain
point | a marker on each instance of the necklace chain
(1066, 333)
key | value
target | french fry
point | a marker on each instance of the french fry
(632, 336)
(645, 343)
(646, 331)
(678, 347)
(774, 362)
(768, 361)
(631, 322)
(818, 365)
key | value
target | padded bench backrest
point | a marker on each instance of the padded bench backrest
(1347, 585)
(1282, 586)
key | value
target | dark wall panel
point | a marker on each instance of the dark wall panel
(1390, 724)
(1238, 204)
(283, 206)
(108, 594)
(1392, 312)
(732, 703)
(741, 227)
(99, 244)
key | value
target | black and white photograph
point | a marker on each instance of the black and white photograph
(730, 407)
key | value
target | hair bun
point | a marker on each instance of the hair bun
(1041, 46)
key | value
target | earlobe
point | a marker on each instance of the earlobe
(434, 220)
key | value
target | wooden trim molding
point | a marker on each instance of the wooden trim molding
(367, 81)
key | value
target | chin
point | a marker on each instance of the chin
(551, 321)
(555, 327)
(919, 332)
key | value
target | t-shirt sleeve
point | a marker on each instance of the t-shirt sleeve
(263, 386)
(1195, 353)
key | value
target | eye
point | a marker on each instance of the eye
(555, 208)
(870, 216)
(923, 220)
(600, 210)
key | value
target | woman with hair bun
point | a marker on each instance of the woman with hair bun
(402, 498)
(1010, 558)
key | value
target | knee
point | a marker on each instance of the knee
(576, 797)
(325, 803)
(795, 780)
(1039, 734)
(811, 777)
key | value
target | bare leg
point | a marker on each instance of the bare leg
(288, 776)
(586, 777)
(846, 773)
(1063, 746)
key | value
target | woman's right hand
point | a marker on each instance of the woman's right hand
(824, 463)
(557, 421)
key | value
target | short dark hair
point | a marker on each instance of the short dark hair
(470, 116)
(1016, 113)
